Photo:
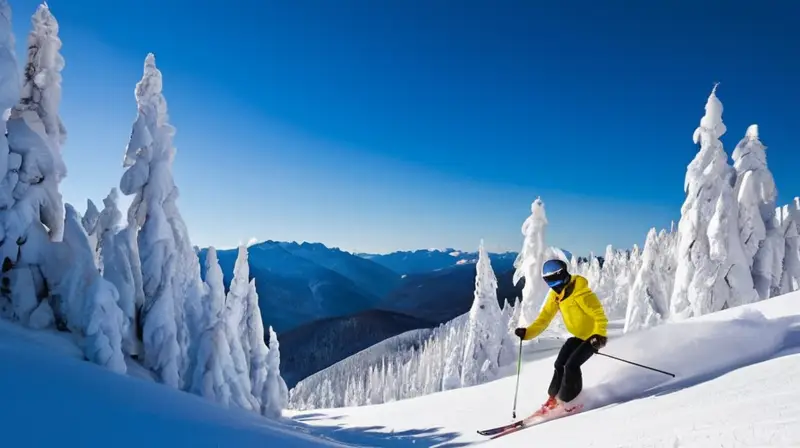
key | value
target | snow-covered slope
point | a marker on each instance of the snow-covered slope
(738, 383)
(42, 374)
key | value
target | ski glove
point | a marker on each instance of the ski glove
(598, 341)
(520, 332)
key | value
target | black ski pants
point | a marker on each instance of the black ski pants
(567, 380)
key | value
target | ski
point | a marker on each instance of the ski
(499, 429)
(535, 420)
(491, 431)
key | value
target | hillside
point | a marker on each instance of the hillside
(444, 294)
(723, 361)
(93, 407)
(298, 284)
(317, 345)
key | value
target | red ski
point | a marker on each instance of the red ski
(535, 419)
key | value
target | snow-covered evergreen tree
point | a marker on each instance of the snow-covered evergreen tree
(235, 321)
(756, 195)
(647, 302)
(86, 300)
(215, 375)
(170, 268)
(113, 258)
(36, 133)
(277, 392)
(529, 262)
(712, 271)
(480, 359)
(787, 221)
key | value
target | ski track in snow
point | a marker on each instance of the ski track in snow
(738, 384)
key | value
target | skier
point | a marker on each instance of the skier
(585, 320)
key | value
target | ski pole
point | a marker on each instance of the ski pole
(516, 391)
(636, 364)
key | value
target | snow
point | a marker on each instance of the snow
(44, 372)
(738, 382)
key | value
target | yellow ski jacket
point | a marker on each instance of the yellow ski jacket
(581, 309)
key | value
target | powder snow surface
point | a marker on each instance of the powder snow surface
(737, 384)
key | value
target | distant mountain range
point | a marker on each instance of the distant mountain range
(300, 283)
(421, 261)
(327, 304)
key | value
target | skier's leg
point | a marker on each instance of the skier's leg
(572, 382)
(570, 345)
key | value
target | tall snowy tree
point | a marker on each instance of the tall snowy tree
(756, 195)
(529, 262)
(788, 218)
(483, 341)
(712, 271)
(235, 320)
(277, 392)
(215, 376)
(170, 268)
(114, 258)
(36, 133)
(647, 302)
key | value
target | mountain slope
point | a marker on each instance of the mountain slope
(444, 294)
(738, 383)
(41, 377)
(294, 290)
(367, 275)
(312, 347)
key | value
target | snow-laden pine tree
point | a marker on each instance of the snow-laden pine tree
(509, 345)
(215, 376)
(31, 208)
(787, 218)
(170, 268)
(712, 271)
(36, 133)
(756, 195)
(529, 262)
(480, 358)
(88, 302)
(277, 392)
(235, 320)
(647, 302)
(255, 347)
(114, 259)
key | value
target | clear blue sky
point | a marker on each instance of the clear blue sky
(383, 125)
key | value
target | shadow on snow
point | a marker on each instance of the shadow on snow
(378, 436)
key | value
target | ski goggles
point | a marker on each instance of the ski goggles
(555, 282)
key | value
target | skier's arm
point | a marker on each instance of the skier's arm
(545, 316)
(592, 306)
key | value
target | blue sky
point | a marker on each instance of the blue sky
(376, 126)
